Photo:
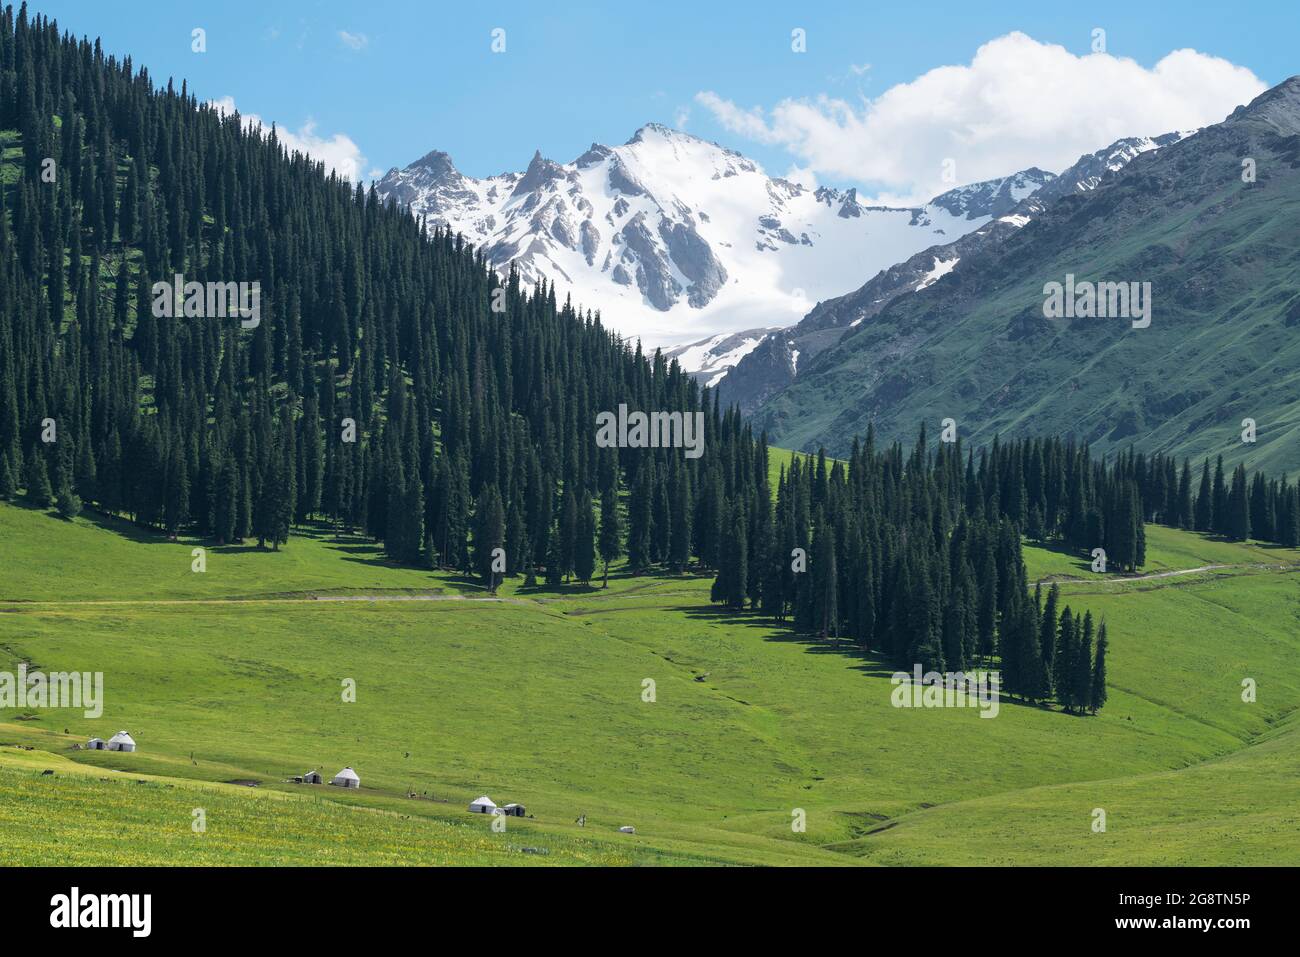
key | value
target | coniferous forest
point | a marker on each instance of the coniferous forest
(397, 387)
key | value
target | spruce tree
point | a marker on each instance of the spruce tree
(39, 491)
(489, 535)
(1205, 501)
(1098, 687)
(584, 557)
(1063, 664)
(1237, 522)
(1081, 692)
(1047, 636)
(641, 518)
(826, 581)
(568, 533)
(611, 530)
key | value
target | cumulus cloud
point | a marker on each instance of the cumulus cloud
(748, 123)
(1019, 103)
(357, 41)
(338, 152)
(803, 176)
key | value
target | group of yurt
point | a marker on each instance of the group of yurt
(347, 778)
(485, 805)
(118, 742)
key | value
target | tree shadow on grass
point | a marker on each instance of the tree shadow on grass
(871, 664)
(119, 526)
(563, 590)
(868, 662)
(148, 535)
(1273, 546)
(1060, 548)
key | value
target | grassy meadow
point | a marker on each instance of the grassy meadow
(237, 675)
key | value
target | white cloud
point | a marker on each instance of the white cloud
(803, 176)
(682, 117)
(1019, 103)
(357, 41)
(337, 152)
(748, 123)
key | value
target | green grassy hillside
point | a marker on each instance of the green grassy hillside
(236, 674)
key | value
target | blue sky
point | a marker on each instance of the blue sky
(400, 78)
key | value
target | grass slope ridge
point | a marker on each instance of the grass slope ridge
(1224, 264)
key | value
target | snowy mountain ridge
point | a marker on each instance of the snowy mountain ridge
(674, 238)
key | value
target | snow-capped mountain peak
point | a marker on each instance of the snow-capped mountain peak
(671, 236)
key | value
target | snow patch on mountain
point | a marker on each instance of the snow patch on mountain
(708, 360)
(941, 268)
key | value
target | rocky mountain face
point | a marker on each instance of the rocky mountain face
(1004, 207)
(672, 237)
(1211, 221)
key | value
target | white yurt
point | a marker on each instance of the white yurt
(483, 805)
(95, 744)
(627, 829)
(347, 778)
(121, 742)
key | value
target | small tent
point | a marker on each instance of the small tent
(313, 777)
(513, 810)
(627, 829)
(347, 778)
(483, 805)
(95, 744)
(121, 742)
